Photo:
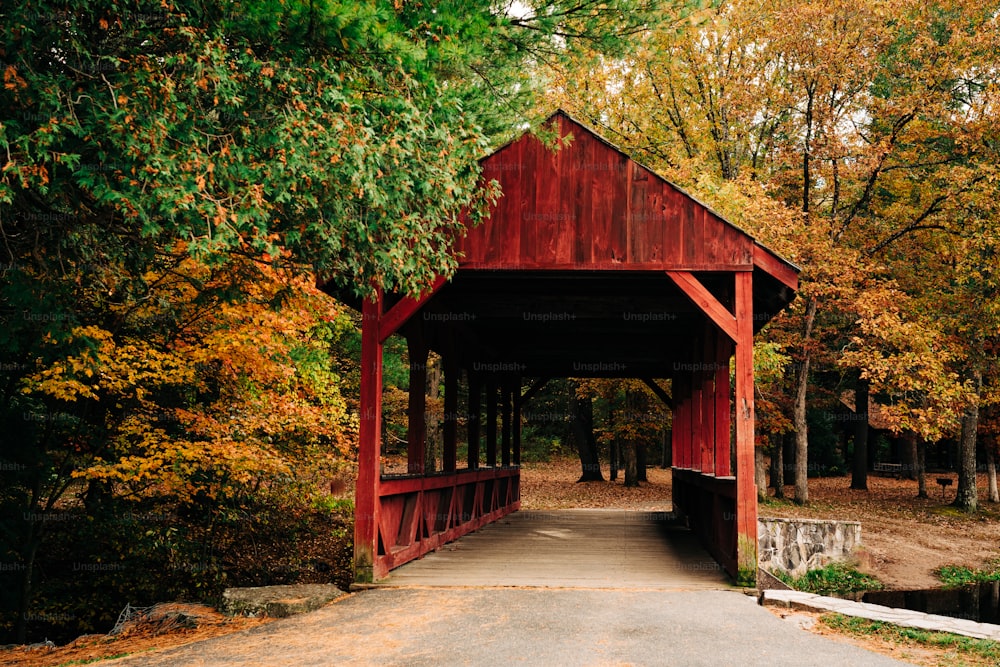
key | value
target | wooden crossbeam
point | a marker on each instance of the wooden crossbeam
(534, 389)
(658, 391)
(774, 267)
(705, 301)
(398, 315)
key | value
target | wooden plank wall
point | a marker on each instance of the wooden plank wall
(588, 206)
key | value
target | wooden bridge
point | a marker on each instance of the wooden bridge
(591, 265)
(582, 548)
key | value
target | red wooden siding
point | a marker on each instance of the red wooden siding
(588, 206)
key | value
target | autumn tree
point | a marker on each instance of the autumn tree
(629, 417)
(863, 123)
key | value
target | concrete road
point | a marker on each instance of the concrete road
(524, 626)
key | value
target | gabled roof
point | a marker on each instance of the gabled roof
(589, 206)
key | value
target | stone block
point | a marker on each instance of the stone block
(278, 601)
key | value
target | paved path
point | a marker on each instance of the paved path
(516, 626)
(573, 587)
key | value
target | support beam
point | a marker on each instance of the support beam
(775, 267)
(506, 412)
(675, 421)
(723, 422)
(697, 429)
(517, 422)
(473, 418)
(366, 503)
(657, 391)
(390, 322)
(746, 492)
(682, 419)
(416, 409)
(707, 377)
(705, 301)
(449, 430)
(534, 389)
(491, 421)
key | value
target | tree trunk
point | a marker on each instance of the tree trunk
(778, 465)
(909, 455)
(632, 405)
(640, 456)
(615, 459)
(921, 459)
(586, 444)
(760, 473)
(967, 496)
(859, 469)
(788, 461)
(631, 464)
(614, 449)
(801, 427)
(991, 469)
(29, 553)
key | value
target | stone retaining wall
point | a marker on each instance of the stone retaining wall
(797, 545)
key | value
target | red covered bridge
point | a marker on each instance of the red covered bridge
(591, 265)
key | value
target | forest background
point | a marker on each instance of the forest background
(178, 398)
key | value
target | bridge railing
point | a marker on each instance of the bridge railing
(709, 503)
(418, 514)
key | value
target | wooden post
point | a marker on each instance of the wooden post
(517, 421)
(697, 431)
(675, 421)
(474, 414)
(708, 402)
(506, 410)
(746, 492)
(491, 421)
(723, 424)
(450, 428)
(416, 429)
(366, 495)
(684, 420)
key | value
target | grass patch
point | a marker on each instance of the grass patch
(963, 649)
(833, 579)
(955, 576)
(952, 512)
(814, 507)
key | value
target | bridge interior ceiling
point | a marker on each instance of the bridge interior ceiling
(573, 324)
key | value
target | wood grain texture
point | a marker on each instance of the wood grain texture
(705, 301)
(571, 549)
(589, 206)
(723, 407)
(407, 307)
(366, 505)
(746, 492)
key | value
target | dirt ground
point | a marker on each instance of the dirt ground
(905, 540)
(153, 634)
(553, 485)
